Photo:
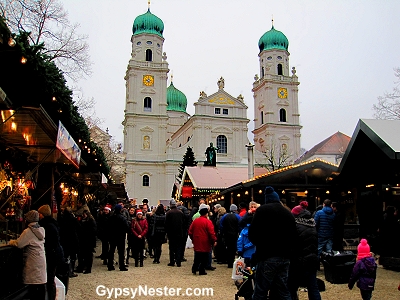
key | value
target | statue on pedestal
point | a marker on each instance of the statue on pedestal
(211, 155)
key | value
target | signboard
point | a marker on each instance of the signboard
(66, 144)
(186, 192)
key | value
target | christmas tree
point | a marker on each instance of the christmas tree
(188, 161)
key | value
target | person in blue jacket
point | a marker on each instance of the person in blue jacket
(245, 248)
(324, 220)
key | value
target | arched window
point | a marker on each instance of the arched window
(262, 72)
(147, 104)
(262, 117)
(146, 180)
(282, 115)
(222, 144)
(280, 69)
(149, 55)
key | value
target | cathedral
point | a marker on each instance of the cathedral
(158, 130)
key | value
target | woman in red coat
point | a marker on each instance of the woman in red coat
(202, 233)
(139, 229)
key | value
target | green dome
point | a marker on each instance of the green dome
(148, 23)
(176, 100)
(273, 39)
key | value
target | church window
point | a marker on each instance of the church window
(279, 57)
(146, 180)
(217, 111)
(282, 115)
(149, 42)
(158, 45)
(222, 144)
(138, 43)
(147, 104)
(149, 55)
(280, 69)
(262, 117)
(225, 111)
(269, 57)
(262, 72)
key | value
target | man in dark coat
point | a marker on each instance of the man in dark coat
(174, 226)
(273, 232)
(103, 232)
(186, 225)
(52, 246)
(229, 227)
(118, 228)
(69, 228)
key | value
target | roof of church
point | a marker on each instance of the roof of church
(148, 23)
(176, 100)
(273, 39)
(336, 144)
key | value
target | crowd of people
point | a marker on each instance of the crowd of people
(282, 245)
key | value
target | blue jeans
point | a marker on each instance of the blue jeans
(272, 274)
(324, 244)
(309, 279)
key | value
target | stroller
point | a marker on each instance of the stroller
(246, 287)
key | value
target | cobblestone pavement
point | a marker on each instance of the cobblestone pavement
(159, 276)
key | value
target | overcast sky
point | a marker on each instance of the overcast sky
(344, 52)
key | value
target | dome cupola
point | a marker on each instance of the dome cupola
(273, 39)
(148, 23)
(176, 100)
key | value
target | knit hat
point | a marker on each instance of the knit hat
(233, 207)
(363, 249)
(217, 206)
(202, 206)
(45, 210)
(108, 207)
(299, 208)
(139, 212)
(118, 208)
(172, 203)
(32, 216)
(270, 195)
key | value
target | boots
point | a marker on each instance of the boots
(137, 262)
(141, 262)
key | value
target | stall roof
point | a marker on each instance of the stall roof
(31, 130)
(215, 177)
(373, 152)
(316, 172)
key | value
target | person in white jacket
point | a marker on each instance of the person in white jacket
(32, 242)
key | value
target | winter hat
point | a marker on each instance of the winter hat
(118, 208)
(299, 208)
(139, 212)
(270, 195)
(203, 206)
(32, 216)
(243, 205)
(172, 203)
(108, 207)
(363, 249)
(45, 210)
(233, 207)
(217, 206)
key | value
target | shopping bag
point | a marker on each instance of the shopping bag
(238, 266)
(189, 243)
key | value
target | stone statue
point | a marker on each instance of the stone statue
(211, 156)
(146, 142)
(203, 95)
(221, 83)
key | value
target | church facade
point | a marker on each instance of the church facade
(158, 130)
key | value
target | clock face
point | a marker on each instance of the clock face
(148, 80)
(282, 93)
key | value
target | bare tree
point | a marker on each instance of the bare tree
(275, 157)
(48, 23)
(388, 106)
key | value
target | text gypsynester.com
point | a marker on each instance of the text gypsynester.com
(145, 291)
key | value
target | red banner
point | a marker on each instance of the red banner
(186, 192)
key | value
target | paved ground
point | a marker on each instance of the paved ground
(160, 276)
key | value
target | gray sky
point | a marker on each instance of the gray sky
(344, 52)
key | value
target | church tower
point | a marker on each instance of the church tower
(275, 91)
(145, 122)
